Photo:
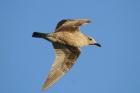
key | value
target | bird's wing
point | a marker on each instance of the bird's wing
(65, 58)
(70, 25)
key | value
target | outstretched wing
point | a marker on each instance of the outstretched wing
(65, 58)
(70, 24)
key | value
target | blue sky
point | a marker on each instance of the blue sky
(26, 61)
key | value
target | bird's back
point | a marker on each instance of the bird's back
(76, 39)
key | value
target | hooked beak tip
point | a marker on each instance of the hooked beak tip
(97, 44)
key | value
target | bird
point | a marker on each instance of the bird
(67, 39)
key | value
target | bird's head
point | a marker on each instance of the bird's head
(92, 41)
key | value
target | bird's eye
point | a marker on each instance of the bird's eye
(90, 38)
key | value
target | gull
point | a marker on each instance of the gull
(67, 41)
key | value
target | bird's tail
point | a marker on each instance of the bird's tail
(39, 35)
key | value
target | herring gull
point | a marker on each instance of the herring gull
(66, 40)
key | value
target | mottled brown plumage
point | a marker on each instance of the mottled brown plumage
(65, 58)
(67, 40)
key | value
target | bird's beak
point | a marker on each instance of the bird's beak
(97, 44)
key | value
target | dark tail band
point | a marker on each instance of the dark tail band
(39, 35)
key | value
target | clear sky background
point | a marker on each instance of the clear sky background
(26, 61)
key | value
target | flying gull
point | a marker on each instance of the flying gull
(66, 40)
